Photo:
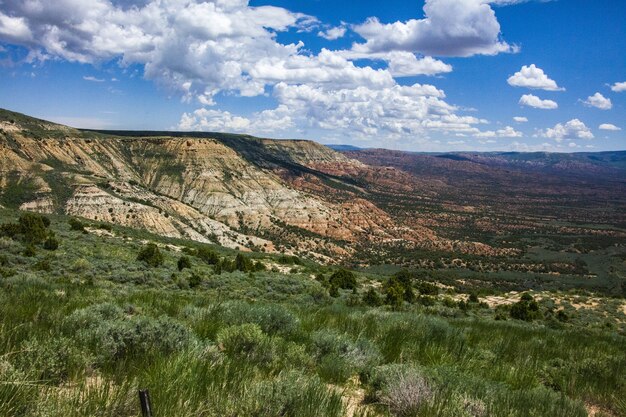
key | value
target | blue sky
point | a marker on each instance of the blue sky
(427, 76)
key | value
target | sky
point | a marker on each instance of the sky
(433, 75)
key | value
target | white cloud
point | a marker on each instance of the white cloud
(93, 79)
(406, 64)
(14, 29)
(449, 28)
(397, 112)
(599, 101)
(507, 132)
(192, 46)
(574, 129)
(533, 77)
(520, 119)
(401, 63)
(619, 87)
(609, 126)
(200, 48)
(333, 33)
(534, 101)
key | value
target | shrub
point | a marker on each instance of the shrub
(402, 388)
(372, 298)
(272, 319)
(151, 255)
(343, 279)
(340, 357)
(289, 260)
(394, 292)
(51, 243)
(76, 225)
(34, 227)
(426, 288)
(195, 280)
(183, 262)
(243, 264)
(525, 309)
(29, 251)
(110, 334)
(399, 288)
(54, 359)
(241, 340)
(207, 255)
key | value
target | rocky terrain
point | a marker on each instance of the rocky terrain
(300, 197)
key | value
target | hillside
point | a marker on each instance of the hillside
(239, 191)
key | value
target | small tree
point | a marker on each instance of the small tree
(242, 263)
(76, 225)
(525, 309)
(34, 227)
(343, 279)
(151, 255)
(51, 243)
(184, 262)
(372, 298)
(208, 255)
(394, 292)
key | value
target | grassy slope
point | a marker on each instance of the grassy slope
(82, 327)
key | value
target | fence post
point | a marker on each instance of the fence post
(144, 399)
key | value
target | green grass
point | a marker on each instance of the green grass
(83, 336)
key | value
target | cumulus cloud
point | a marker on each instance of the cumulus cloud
(534, 101)
(507, 132)
(520, 119)
(333, 33)
(599, 101)
(396, 112)
(196, 47)
(619, 87)
(449, 28)
(609, 126)
(14, 29)
(201, 48)
(533, 77)
(401, 63)
(574, 129)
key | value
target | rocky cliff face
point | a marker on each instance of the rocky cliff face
(293, 196)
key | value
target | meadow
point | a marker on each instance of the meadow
(90, 313)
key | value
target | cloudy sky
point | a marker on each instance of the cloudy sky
(430, 75)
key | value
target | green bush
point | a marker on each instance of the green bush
(76, 225)
(273, 319)
(207, 255)
(34, 227)
(51, 243)
(343, 279)
(151, 255)
(241, 340)
(525, 309)
(183, 262)
(29, 251)
(111, 334)
(54, 359)
(372, 298)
